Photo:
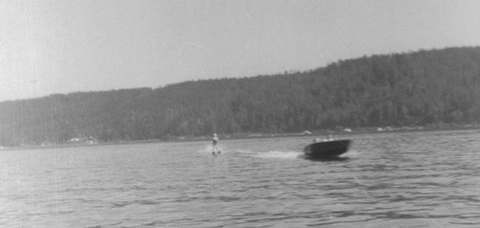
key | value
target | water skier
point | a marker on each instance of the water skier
(214, 145)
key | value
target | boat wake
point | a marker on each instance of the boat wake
(279, 154)
(350, 154)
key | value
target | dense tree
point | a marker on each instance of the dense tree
(432, 88)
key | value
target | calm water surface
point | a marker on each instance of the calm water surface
(420, 179)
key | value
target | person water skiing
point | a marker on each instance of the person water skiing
(214, 144)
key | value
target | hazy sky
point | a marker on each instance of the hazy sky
(61, 46)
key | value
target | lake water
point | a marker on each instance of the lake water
(410, 179)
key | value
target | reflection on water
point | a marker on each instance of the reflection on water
(423, 179)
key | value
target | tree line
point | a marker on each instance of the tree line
(423, 88)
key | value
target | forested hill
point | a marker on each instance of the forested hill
(425, 88)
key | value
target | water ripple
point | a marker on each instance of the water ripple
(424, 179)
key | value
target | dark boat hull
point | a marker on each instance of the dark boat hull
(326, 150)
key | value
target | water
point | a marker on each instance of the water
(422, 179)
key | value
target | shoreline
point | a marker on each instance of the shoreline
(242, 136)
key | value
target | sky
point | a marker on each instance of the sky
(64, 46)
